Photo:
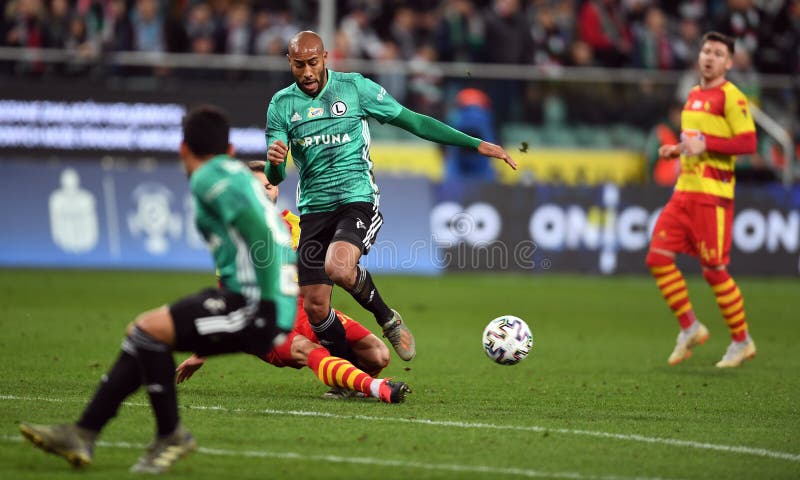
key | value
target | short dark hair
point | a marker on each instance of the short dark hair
(722, 38)
(205, 131)
(257, 165)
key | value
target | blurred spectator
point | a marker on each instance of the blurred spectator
(25, 25)
(148, 35)
(460, 33)
(508, 38)
(402, 32)
(664, 171)
(361, 38)
(779, 52)
(742, 21)
(601, 25)
(472, 116)
(238, 31)
(425, 23)
(268, 34)
(341, 49)
(686, 45)
(80, 45)
(219, 14)
(200, 28)
(77, 40)
(652, 46)
(117, 34)
(57, 24)
(285, 27)
(550, 40)
(176, 40)
(580, 55)
(564, 12)
(687, 9)
(393, 81)
(634, 13)
(425, 82)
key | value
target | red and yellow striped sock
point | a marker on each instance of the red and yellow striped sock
(338, 372)
(730, 302)
(673, 288)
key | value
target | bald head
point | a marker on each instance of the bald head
(307, 57)
(305, 42)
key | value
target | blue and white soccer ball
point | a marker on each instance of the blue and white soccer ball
(507, 340)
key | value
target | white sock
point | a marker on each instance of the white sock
(375, 386)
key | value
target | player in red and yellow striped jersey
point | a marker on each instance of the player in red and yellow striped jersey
(302, 347)
(716, 125)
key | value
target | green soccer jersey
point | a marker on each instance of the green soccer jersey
(329, 138)
(251, 245)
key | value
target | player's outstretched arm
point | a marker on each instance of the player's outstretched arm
(187, 368)
(431, 129)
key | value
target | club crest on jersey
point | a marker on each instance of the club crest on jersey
(339, 108)
(314, 112)
(296, 117)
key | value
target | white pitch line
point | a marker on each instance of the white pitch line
(740, 449)
(378, 462)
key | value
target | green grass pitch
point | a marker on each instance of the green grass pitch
(594, 400)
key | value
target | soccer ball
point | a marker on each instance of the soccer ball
(507, 340)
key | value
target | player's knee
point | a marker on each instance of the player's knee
(342, 275)
(381, 356)
(715, 274)
(657, 259)
(373, 354)
(317, 309)
(301, 349)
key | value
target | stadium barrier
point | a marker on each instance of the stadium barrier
(604, 229)
(138, 215)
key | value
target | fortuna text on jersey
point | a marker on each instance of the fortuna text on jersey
(334, 139)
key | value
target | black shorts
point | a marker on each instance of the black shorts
(216, 321)
(357, 223)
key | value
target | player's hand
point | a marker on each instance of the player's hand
(496, 151)
(187, 368)
(694, 145)
(276, 153)
(670, 151)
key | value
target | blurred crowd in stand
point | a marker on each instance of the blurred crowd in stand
(641, 34)
(609, 33)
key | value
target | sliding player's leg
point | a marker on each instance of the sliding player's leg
(338, 372)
